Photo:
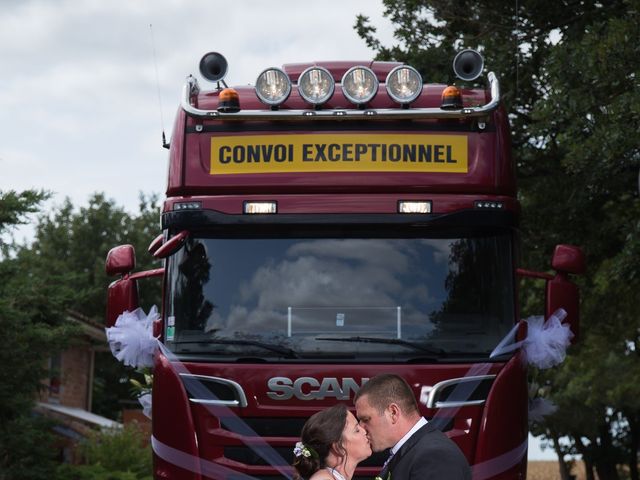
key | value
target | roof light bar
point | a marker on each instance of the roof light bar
(191, 89)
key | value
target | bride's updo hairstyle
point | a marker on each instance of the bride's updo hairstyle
(319, 434)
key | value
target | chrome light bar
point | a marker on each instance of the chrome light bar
(191, 88)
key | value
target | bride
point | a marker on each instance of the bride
(332, 444)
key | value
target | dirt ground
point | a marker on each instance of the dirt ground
(538, 470)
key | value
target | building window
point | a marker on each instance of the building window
(55, 372)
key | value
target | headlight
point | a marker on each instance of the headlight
(359, 85)
(404, 84)
(316, 85)
(273, 86)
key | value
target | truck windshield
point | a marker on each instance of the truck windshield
(363, 298)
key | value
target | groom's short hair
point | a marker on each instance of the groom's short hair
(387, 388)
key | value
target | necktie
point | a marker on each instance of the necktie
(384, 473)
(386, 462)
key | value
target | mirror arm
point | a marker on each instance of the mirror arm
(158, 272)
(532, 274)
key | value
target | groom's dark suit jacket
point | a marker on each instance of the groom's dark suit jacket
(428, 455)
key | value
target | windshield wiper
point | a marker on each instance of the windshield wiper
(286, 352)
(391, 341)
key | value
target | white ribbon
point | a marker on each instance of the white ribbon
(546, 343)
(145, 401)
(131, 338)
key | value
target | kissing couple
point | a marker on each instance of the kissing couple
(333, 441)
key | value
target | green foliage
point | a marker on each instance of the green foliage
(33, 326)
(63, 269)
(114, 454)
(124, 450)
(69, 252)
(15, 206)
(26, 447)
(77, 241)
(92, 472)
(569, 77)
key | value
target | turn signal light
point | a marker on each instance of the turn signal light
(451, 98)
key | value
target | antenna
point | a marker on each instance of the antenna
(155, 65)
(516, 32)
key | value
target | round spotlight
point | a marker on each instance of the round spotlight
(316, 85)
(359, 85)
(404, 84)
(273, 86)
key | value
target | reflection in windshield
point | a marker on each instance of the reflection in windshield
(451, 294)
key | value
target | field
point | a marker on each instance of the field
(539, 470)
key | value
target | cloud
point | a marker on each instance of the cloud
(79, 95)
(366, 280)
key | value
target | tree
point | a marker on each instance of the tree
(569, 76)
(62, 270)
(75, 241)
(32, 323)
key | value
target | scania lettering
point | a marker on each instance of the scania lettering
(314, 235)
(309, 388)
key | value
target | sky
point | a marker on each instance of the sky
(87, 86)
(82, 107)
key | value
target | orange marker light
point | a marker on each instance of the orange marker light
(228, 101)
(451, 98)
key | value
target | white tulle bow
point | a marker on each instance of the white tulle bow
(145, 401)
(131, 338)
(546, 343)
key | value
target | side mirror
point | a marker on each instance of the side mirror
(155, 244)
(122, 294)
(562, 292)
(169, 247)
(568, 259)
(120, 260)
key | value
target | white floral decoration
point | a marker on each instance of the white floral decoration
(300, 450)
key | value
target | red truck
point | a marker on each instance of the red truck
(335, 221)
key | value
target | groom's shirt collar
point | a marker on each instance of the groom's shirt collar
(419, 424)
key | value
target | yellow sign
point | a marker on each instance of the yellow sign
(338, 153)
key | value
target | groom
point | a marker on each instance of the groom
(388, 411)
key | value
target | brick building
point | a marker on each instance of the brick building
(67, 393)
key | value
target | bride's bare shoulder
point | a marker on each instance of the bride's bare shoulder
(321, 475)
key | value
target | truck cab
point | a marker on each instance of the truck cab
(335, 221)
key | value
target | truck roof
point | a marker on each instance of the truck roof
(214, 151)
